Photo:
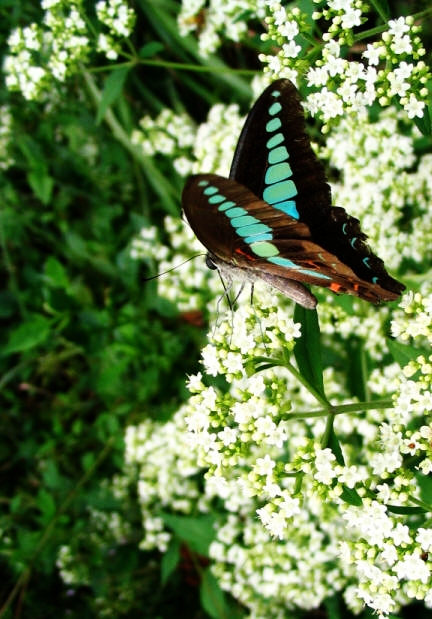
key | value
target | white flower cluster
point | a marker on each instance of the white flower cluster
(216, 139)
(120, 20)
(389, 68)
(217, 20)
(261, 460)
(419, 307)
(167, 474)
(170, 133)
(39, 55)
(413, 397)
(322, 521)
(147, 246)
(42, 55)
(208, 148)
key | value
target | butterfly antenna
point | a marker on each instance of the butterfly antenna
(148, 279)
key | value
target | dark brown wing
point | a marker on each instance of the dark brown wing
(226, 217)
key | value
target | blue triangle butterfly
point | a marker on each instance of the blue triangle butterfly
(273, 218)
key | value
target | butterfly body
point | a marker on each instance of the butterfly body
(272, 219)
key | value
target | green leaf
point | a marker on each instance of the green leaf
(28, 335)
(27, 541)
(402, 353)
(332, 442)
(212, 597)
(41, 183)
(307, 350)
(170, 560)
(151, 49)
(356, 368)
(398, 509)
(53, 479)
(351, 496)
(382, 8)
(424, 124)
(425, 484)
(56, 273)
(197, 533)
(112, 90)
(46, 505)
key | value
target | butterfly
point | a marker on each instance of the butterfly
(273, 218)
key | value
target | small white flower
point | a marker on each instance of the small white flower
(402, 45)
(195, 383)
(349, 476)
(424, 538)
(289, 29)
(210, 360)
(398, 27)
(291, 49)
(351, 18)
(324, 460)
(412, 567)
(264, 466)
(373, 54)
(228, 436)
(275, 522)
(401, 534)
(414, 107)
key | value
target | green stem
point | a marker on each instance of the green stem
(198, 68)
(154, 177)
(378, 8)
(316, 394)
(327, 407)
(181, 66)
(379, 29)
(343, 409)
(420, 503)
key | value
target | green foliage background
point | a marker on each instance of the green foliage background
(87, 348)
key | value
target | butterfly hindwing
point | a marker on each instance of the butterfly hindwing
(216, 209)
(242, 232)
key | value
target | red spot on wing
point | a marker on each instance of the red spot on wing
(339, 288)
(243, 253)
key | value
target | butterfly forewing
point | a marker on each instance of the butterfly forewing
(274, 141)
